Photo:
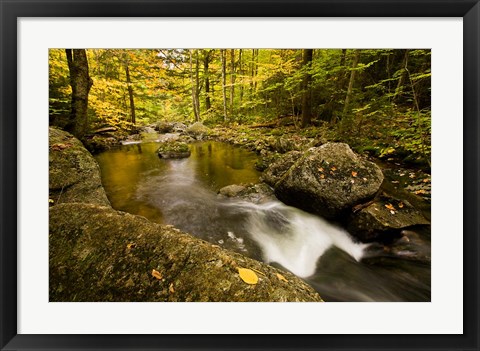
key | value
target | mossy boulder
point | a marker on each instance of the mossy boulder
(327, 180)
(173, 149)
(197, 130)
(100, 254)
(74, 175)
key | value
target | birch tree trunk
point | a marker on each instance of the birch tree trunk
(348, 97)
(232, 81)
(224, 83)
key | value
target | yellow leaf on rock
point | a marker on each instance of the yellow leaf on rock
(248, 276)
(156, 274)
(390, 207)
(281, 277)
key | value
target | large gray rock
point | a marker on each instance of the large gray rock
(99, 254)
(384, 219)
(197, 130)
(74, 175)
(328, 180)
(280, 167)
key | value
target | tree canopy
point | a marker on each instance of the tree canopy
(374, 99)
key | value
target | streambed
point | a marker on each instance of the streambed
(183, 193)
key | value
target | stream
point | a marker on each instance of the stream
(183, 193)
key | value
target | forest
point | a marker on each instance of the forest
(305, 171)
(375, 100)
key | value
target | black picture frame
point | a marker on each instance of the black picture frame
(12, 10)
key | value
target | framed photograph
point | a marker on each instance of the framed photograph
(321, 155)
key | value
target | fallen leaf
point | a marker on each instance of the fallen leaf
(354, 174)
(171, 289)
(421, 191)
(390, 207)
(320, 169)
(281, 277)
(50, 201)
(130, 246)
(156, 274)
(333, 168)
(322, 176)
(400, 205)
(59, 146)
(248, 276)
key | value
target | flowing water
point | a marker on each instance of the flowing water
(183, 192)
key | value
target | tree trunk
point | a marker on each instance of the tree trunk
(256, 70)
(197, 85)
(206, 62)
(252, 72)
(194, 90)
(401, 80)
(224, 83)
(241, 74)
(306, 91)
(351, 82)
(344, 57)
(81, 84)
(232, 80)
(130, 93)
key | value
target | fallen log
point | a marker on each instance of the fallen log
(104, 130)
(264, 125)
